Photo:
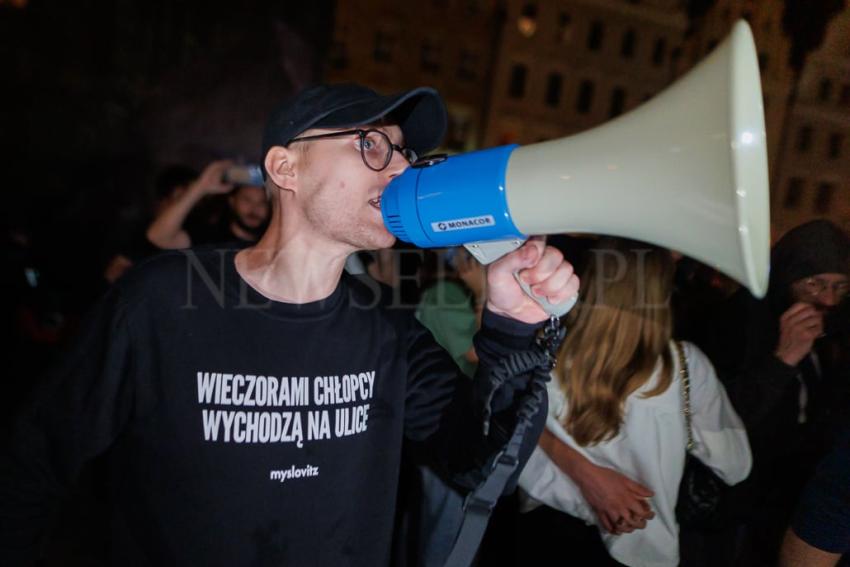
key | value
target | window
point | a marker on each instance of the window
(383, 52)
(845, 95)
(338, 55)
(659, 51)
(565, 30)
(825, 90)
(794, 194)
(516, 89)
(618, 100)
(468, 67)
(430, 57)
(627, 48)
(553, 89)
(763, 59)
(835, 142)
(594, 38)
(804, 139)
(585, 97)
(527, 22)
(823, 199)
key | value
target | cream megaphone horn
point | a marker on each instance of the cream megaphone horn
(687, 171)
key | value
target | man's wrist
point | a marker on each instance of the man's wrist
(786, 359)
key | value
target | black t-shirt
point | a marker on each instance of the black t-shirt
(242, 431)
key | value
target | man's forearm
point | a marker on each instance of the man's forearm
(565, 457)
(166, 231)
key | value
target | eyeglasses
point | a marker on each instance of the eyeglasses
(816, 286)
(376, 149)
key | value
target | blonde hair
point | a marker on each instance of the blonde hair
(616, 334)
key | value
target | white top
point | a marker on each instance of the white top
(650, 449)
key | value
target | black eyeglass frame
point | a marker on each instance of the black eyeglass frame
(409, 154)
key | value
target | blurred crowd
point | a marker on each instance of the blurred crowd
(689, 422)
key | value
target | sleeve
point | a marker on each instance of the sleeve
(73, 416)
(823, 517)
(545, 482)
(721, 440)
(740, 340)
(443, 426)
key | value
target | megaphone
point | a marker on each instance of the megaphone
(687, 171)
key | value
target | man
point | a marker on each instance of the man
(244, 221)
(820, 532)
(171, 184)
(782, 360)
(251, 407)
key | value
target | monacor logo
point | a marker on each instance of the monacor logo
(463, 224)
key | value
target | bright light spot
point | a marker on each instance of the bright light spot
(747, 138)
(526, 26)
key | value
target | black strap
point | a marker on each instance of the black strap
(479, 503)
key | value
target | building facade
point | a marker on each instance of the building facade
(521, 71)
(448, 44)
(567, 65)
(812, 175)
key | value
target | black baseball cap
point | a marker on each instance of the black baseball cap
(420, 113)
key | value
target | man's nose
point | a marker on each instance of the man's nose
(398, 164)
(828, 297)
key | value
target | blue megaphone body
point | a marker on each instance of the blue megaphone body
(452, 201)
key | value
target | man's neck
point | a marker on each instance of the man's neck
(290, 265)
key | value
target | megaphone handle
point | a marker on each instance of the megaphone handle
(554, 309)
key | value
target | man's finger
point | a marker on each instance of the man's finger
(607, 522)
(805, 312)
(550, 260)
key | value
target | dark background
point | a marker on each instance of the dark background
(97, 95)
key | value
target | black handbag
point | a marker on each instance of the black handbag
(700, 491)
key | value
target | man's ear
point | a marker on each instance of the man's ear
(280, 167)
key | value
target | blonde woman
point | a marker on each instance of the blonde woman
(616, 401)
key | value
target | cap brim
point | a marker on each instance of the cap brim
(420, 113)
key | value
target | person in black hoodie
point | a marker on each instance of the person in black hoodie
(782, 360)
(250, 407)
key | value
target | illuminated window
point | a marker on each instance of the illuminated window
(527, 23)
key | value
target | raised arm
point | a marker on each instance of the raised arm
(166, 231)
